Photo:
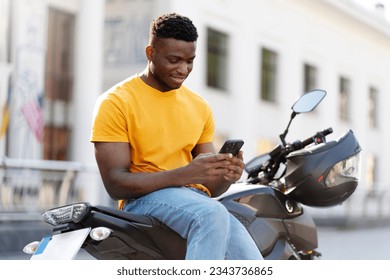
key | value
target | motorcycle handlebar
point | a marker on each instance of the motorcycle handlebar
(279, 154)
(317, 138)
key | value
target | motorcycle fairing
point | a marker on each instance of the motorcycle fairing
(273, 220)
(133, 237)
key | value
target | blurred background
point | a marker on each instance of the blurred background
(254, 58)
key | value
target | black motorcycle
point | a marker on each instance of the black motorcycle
(312, 172)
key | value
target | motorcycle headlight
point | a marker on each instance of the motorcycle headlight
(65, 214)
(344, 171)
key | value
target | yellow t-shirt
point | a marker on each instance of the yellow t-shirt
(162, 128)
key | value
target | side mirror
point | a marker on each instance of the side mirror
(304, 104)
(308, 101)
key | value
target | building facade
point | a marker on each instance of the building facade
(254, 58)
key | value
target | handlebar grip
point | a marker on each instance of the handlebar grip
(319, 135)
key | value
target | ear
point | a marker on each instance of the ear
(149, 51)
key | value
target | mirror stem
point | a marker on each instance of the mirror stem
(283, 136)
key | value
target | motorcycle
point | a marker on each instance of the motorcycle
(312, 172)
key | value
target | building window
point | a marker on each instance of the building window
(58, 84)
(344, 91)
(373, 107)
(268, 75)
(217, 59)
(371, 167)
(309, 77)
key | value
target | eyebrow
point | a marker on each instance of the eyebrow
(180, 57)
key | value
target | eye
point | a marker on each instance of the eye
(173, 60)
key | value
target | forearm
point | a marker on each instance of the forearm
(216, 171)
(123, 184)
(134, 185)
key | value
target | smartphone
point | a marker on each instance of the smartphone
(232, 146)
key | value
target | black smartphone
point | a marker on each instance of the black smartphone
(232, 146)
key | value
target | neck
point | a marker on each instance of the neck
(148, 78)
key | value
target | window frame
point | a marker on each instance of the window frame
(269, 74)
(217, 59)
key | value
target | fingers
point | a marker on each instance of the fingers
(226, 165)
(209, 157)
(235, 169)
(232, 163)
(240, 155)
(233, 176)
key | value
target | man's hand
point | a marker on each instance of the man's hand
(235, 168)
(216, 171)
(208, 167)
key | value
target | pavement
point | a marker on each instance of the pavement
(353, 222)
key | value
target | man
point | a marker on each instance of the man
(154, 148)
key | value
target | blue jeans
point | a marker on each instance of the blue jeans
(212, 233)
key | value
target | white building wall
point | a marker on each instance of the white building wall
(88, 75)
(337, 36)
(87, 87)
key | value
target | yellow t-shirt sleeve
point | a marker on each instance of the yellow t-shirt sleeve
(108, 124)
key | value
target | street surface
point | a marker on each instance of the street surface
(334, 244)
(354, 244)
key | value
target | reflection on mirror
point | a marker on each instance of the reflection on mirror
(308, 101)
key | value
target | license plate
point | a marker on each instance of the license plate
(64, 246)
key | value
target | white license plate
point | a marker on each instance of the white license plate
(64, 246)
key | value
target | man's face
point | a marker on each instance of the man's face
(171, 61)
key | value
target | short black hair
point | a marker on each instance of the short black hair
(173, 26)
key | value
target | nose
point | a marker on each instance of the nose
(184, 68)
